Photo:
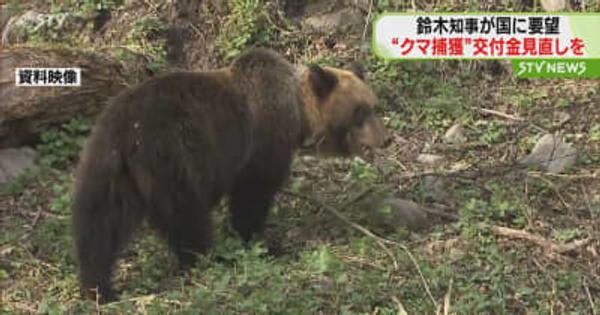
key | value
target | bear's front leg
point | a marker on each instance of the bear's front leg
(249, 208)
(254, 191)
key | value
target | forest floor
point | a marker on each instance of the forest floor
(499, 239)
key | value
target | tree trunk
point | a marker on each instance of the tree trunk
(190, 39)
(25, 112)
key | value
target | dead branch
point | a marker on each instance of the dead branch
(499, 114)
(509, 117)
(589, 296)
(593, 174)
(37, 217)
(539, 240)
(482, 171)
(447, 297)
(401, 309)
(367, 20)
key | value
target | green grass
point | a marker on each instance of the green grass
(147, 36)
(60, 146)
(351, 275)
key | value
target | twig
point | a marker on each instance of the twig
(509, 117)
(34, 223)
(152, 5)
(368, 20)
(197, 30)
(446, 306)
(586, 198)
(440, 173)
(593, 175)
(98, 303)
(459, 146)
(482, 171)
(499, 114)
(279, 28)
(364, 262)
(380, 241)
(589, 296)
(401, 309)
(397, 162)
(540, 241)
(447, 298)
(38, 214)
(139, 299)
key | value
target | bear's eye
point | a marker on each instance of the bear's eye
(360, 114)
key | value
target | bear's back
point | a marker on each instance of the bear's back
(205, 123)
(271, 86)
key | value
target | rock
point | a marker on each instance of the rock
(554, 5)
(435, 188)
(552, 154)
(562, 118)
(403, 213)
(456, 134)
(14, 162)
(343, 20)
(431, 159)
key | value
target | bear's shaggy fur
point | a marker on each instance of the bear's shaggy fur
(169, 149)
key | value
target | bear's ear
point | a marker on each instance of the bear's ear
(358, 69)
(322, 81)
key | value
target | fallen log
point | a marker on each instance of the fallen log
(25, 112)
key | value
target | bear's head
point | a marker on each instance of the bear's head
(340, 108)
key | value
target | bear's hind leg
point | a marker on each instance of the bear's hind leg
(187, 227)
(191, 236)
(100, 234)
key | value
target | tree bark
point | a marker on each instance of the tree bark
(25, 112)
(191, 35)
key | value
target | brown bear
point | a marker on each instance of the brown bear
(169, 149)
